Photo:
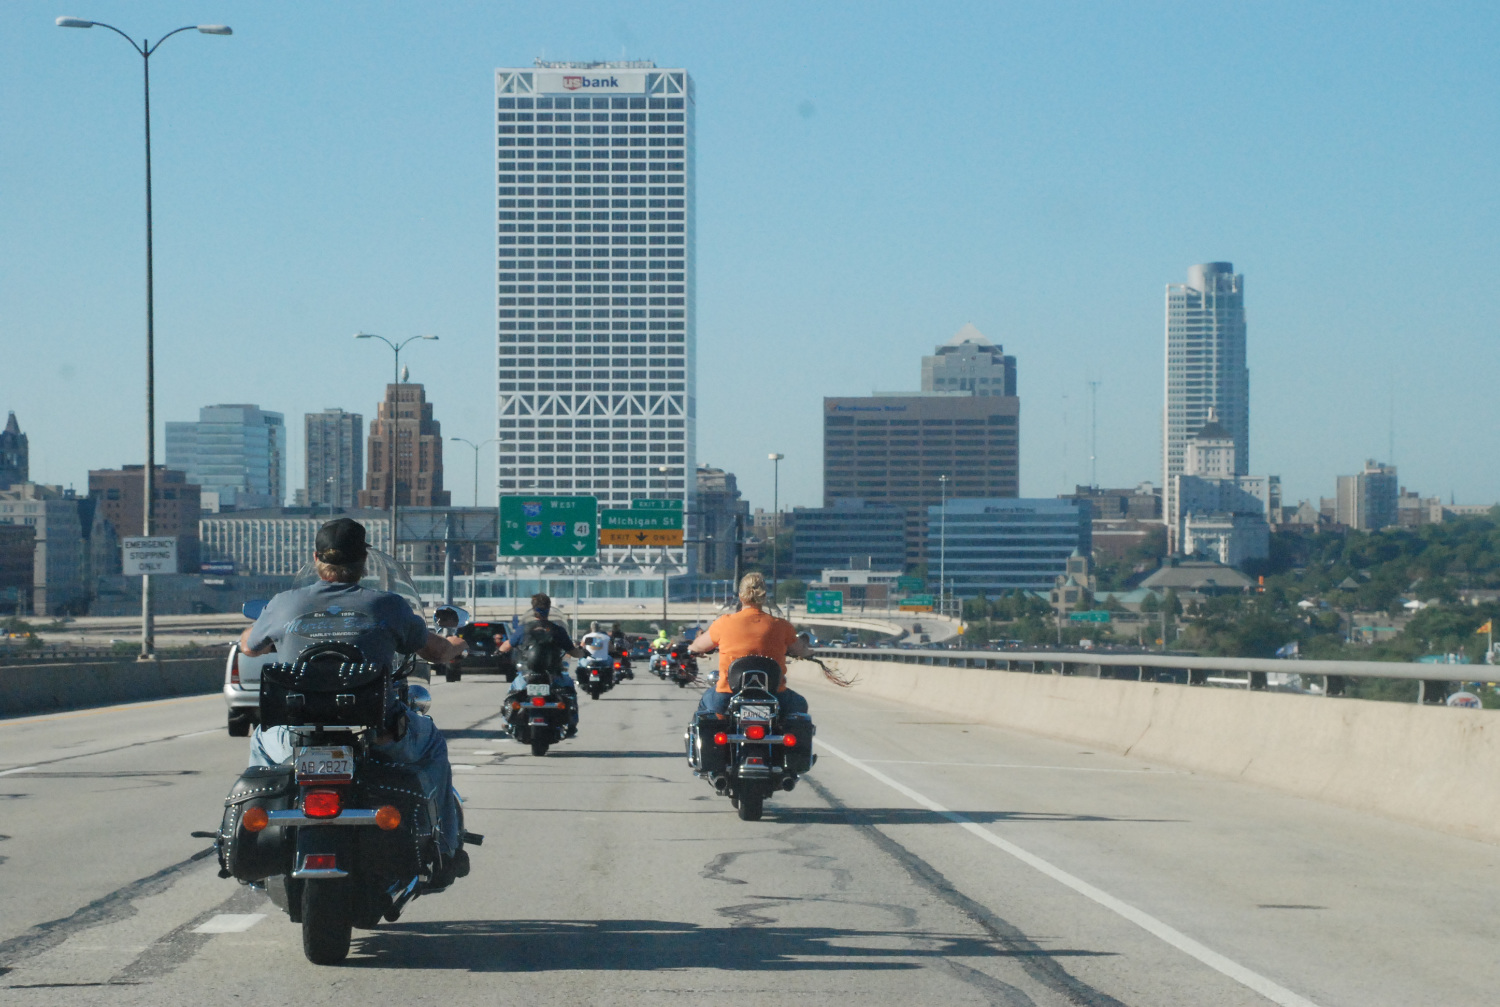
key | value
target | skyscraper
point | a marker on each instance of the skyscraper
(235, 451)
(1205, 366)
(419, 452)
(910, 449)
(335, 458)
(595, 342)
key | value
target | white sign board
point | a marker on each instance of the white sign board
(148, 555)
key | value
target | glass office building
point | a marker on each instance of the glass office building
(595, 280)
(1206, 370)
(235, 451)
(999, 545)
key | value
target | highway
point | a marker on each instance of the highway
(925, 860)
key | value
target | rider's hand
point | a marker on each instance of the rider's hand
(460, 646)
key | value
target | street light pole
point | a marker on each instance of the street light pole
(393, 422)
(943, 544)
(476, 447)
(775, 517)
(145, 49)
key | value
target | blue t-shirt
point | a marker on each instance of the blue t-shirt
(379, 623)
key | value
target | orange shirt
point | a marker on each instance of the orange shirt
(750, 632)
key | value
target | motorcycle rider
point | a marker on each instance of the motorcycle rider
(620, 647)
(596, 642)
(750, 632)
(541, 608)
(385, 625)
(659, 648)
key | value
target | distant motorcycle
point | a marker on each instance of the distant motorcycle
(596, 677)
(754, 750)
(539, 715)
(681, 666)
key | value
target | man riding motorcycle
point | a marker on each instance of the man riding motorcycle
(541, 607)
(381, 625)
(620, 647)
(750, 632)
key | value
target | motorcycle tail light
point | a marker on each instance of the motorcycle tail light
(388, 817)
(320, 862)
(755, 732)
(721, 738)
(790, 739)
(538, 700)
(255, 819)
(321, 804)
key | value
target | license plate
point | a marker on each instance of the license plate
(538, 690)
(325, 765)
(755, 713)
(593, 674)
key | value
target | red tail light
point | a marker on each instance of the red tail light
(755, 732)
(791, 740)
(538, 700)
(320, 862)
(321, 804)
(721, 738)
(617, 665)
(234, 668)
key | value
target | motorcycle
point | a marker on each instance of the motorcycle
(539, 716)
(596, 677)
(621, 661)
(341, 838)
(681, 667)
(754, 750)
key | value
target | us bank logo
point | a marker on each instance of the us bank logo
(574, 83)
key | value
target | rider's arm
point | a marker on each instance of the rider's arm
(442, 650)
(798, 647)
(250, 651)
(702, 644)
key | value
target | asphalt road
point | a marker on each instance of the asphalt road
(923, 861)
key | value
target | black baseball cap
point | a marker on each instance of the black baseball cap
(341, 542)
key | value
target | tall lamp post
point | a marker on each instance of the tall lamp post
(775, 459)
(942, 542)
(393, 421)
(145, 49)
(474, 546)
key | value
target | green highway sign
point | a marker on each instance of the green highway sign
(549, 526)
(825, 603)
(640, 520)
(923, 601)
(1089, 616)
(656, 505)
(908, 585)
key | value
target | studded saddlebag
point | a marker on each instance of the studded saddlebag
(327, 692)
(713, 760)
(254, 856)
(798, 758)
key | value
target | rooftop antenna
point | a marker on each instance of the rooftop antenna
(1093, 435)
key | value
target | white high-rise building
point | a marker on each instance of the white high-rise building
(1206, 372)
(595, 280)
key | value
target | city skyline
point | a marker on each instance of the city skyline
(833, 221)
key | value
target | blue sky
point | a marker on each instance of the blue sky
(872, 176)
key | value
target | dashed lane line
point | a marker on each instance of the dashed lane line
(1272, 991)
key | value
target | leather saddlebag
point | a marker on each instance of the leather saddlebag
(254, 856)
(798, 759)
(327, 692)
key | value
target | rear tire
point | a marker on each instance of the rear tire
(327, 921)
(453, 675)
(540, 747)
(750, 807)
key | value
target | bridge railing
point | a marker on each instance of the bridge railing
(1434, 680)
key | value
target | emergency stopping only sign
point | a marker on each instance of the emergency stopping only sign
(148, 555)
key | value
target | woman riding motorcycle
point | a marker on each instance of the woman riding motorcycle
(750, 632)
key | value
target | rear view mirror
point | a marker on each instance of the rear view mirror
(253, 609)
(450, 617)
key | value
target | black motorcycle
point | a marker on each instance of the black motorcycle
(753, 750)
(681, 667)
(596, 677)
(341, 838)
(538, 715)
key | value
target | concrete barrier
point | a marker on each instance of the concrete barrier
(39, 688)
(1433, 766)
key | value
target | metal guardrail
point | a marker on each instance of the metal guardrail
(1182, 669)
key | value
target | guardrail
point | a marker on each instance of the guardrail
(1433, 686)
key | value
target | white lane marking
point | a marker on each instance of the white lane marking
(1020, 765)
(482, 752)
(229, 923)
(199, 734)
(1234, 970)
(464, 765)
(18, 769)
